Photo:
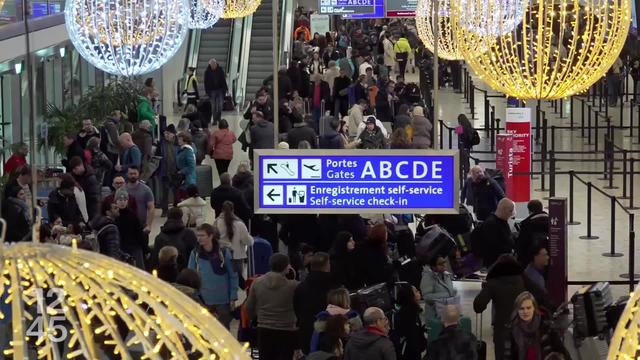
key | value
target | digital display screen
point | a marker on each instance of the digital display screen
(401, 8)
(39, 9)
(317, 181)
(353, 9)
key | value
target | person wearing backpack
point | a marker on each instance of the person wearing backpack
(481, 192)
(534, 231)
(175, 233)
(467, 138)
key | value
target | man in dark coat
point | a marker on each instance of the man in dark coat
(261, 133)
(481, 192)
(493, 237)
(534, 232)
(87, 180)
(341, 93)
(453, 343)
(505, 281)
(107, 232)
(372, 342)
(402, 119)
(174, 233)
(62, 202)
(263, 104)
(310, 296)
(301, 131)
(285, 85)
(73, 149)
(226, 192)
(215, 85)
(331, 139)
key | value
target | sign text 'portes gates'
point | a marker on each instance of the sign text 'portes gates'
(356, 181)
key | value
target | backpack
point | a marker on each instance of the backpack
(475, 138)
(497, 176)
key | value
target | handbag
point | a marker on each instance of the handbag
(149, 167)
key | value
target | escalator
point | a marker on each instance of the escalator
(214, 43)
(260, 49)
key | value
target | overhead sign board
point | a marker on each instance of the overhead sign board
(353, 9)
(401, 8)
(356, 181)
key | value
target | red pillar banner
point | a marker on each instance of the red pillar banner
(504, 160)
(518, 125)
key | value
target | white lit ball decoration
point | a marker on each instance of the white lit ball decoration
(560, 48)
(447, 48)
(205, 13)
(127, 37)
(59, 300)
(492, 17)
(240, 8)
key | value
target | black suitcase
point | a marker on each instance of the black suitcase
(481, 345)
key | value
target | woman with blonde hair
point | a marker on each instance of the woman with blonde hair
(338, 304)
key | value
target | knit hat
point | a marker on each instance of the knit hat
(171, 128)
(371, 120)
(121, 194)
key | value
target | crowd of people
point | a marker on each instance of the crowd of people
(337, 93)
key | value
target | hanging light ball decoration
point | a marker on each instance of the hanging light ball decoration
(496, 17)
(240, 8)
(447, 47)
(626, 337)
(54, 295)
(203, 14)
(560, 48)
(127, 38)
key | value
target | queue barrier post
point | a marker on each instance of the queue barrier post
(631, 273)
(571, 189)
(561, 109)
(631, 185)
(571, 113)
(582, 119)
(552, 174)
(487, 115)
(543, 155)
(589, 236)
(450, 138)
(472, 102)
(589, 124)
(441, 125)
(492, 132)
(612, 251)
(625, 158)
(538, 110)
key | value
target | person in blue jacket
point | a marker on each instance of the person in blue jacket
(214, 264)
(186, 160)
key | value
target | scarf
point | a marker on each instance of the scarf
(336, 310)
(527, 338)
(216, 259)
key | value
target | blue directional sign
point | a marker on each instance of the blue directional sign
(356, 181)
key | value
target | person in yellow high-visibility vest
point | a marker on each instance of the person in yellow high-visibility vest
(191, 88)
(402, 50)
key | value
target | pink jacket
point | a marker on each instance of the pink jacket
(221, 144)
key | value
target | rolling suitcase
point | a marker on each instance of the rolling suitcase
(204, 180)
(259, 255)
(482, 345)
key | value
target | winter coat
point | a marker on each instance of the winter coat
(331, 140)
(372, 139)
(505, 281)
(144, 140)
(389, 53)
(309, 298)
(534, 230)
(369, 344)
(483, 195)
(262, 135)
(221, 144)
(14, 162)
(72, 151)
(550, 341)
(84, 137)
(453, 343)
(319, 326)
(344, 270)
(271, 301)
(379, 124)
(491, 239)
(193, 209)
(132, 239)
(348, 65)
(186, 163)
(168, 152)
(214, 80)
(373, 265)
(101, 164)
(408, 327)
(301, 131)
(16, 213)
(108, 236)
(130, 157)
(436, 288)
(356, 117)
(241, 237)
(325, 94)
(421, 132)
(341, 83)
(402, 46)
(92, 190)
(266, 109)
(217, 289)
(228, 193)
(64, 206)
(145, 111)
(401, 121)
(243, 181)
(174, 233)
(330, 76)
(200, 143)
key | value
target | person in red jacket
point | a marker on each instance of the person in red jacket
(18, 158)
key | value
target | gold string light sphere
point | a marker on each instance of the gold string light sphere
(425, 16)
(626, 338)
(560, 47)
(240, 8)
(64, 302)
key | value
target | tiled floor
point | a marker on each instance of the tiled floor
(585, 256)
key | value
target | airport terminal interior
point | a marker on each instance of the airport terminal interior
(319, 179)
